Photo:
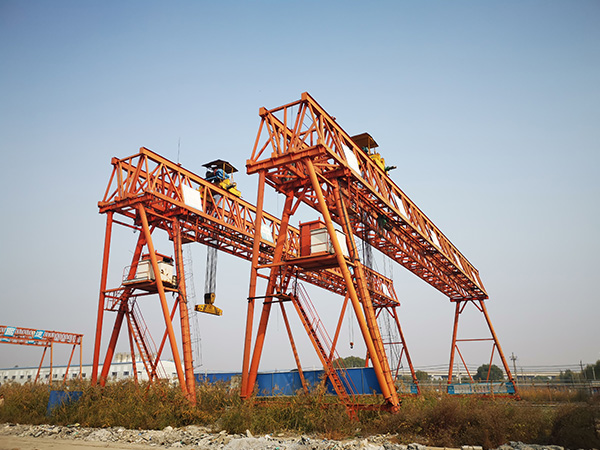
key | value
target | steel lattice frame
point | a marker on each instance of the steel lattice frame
(148, 192)
(300, 138)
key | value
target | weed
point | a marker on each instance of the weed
(433, 419)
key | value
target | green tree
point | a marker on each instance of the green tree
(495, 372)
(592, 371)
(569, 376)
(351, 361)
(421, 375)
(541, 378)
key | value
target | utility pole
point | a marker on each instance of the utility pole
(513, 358)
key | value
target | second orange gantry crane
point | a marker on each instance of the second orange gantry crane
(303, 153)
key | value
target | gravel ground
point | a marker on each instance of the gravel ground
(43, 437)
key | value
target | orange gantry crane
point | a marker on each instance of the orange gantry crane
(147, 192)
(303, 153)
(46, 339)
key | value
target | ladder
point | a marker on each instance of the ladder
(332, 363)
(145, 344)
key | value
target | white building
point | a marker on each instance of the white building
(120, 369)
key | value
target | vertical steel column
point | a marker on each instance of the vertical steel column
(37, 375)
(163, 299)
(186, 339)
(364, 328)
(101, 300)
(500, 352)
(132, 350)
(80, 358)
(123, 309)
(266, 311)
(367, 304)
(294, 349)
(51, 363)
(453, 346)
(112, 344)
(246, 389)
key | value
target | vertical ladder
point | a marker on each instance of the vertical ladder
(190, 288)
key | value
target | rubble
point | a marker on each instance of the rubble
(203, 438)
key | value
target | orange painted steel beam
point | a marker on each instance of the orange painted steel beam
(294, 349)
(280, 273)
(246, 387)
(101, 300)
(392, 311)
(366, 322)
(186, 339)
(41, 338)
(454, 349)
(163, 302)
(249, 378)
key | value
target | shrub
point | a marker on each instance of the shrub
(25, 403)
(432, 419)
(577, 426)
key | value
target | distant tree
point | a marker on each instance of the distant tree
(351, 361)
(541, 378)
(592, 371)
(495, 372)
(569, 376)
(421, 375)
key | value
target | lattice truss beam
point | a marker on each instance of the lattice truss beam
(211, 216)
(40, 338)
(293, 133)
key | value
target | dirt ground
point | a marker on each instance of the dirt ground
(30, 443)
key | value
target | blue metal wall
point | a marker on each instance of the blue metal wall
(362, 381)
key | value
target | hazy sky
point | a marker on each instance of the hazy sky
(490, 110)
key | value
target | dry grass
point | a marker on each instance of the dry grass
(433, 419)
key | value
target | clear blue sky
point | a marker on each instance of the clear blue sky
(490, 110)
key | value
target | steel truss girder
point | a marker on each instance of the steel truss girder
(224, 221)
(28, 336)
(303, 129)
